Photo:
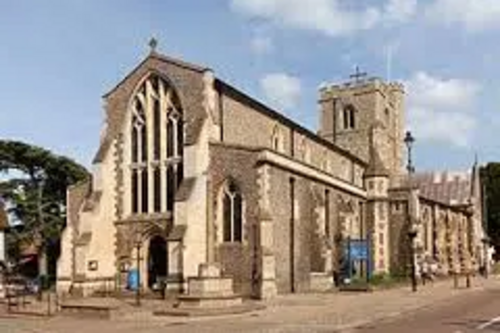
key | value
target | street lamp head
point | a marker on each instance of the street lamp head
(409, 139)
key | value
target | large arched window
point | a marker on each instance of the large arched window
(156, 146)
(232, 206)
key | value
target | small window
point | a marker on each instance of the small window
(276, 139)
(349, 115)
(232, 214)
(325, 164)
(304, 150)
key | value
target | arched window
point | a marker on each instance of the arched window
(277, 139)
(232, 204)
(387, 117)
(349, 116)
(325, 162)
(156, 166)
(139, 132)
(175, 133)
(304, 150)
(157, 129)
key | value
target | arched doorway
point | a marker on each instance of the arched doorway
(157, 261)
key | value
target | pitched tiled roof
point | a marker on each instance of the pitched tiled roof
(154, 62)
(376, 166)
(452, 188)
(164, 58)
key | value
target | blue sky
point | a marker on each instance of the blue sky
(58, 57)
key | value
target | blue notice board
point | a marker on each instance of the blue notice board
(358, 249)
(133, 279)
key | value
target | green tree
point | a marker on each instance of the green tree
(490, 177)
(36, 192)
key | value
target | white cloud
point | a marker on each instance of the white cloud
(455, 128)
(475, 15)
(441, 109)
(281, 89)
(330, 17)
(261, 44)
(400, 10)
(441, 93)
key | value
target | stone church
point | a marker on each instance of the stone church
(191, 170)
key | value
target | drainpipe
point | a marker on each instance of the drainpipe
(292, 235)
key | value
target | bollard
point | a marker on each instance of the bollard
(468, 281)
(48, 303)
(455, 280)
(8, 300)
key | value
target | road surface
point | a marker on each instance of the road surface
(475, 313)
(464, 311)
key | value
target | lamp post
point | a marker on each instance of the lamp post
(485, 241)
(409, 140)
(138, 244)
(412, 233)
(469, 211)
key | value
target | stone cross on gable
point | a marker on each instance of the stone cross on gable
(153, 43)
(358, 75)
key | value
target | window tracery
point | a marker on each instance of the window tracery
(156, 145)
(232, 204)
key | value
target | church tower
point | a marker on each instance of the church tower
(351, 111)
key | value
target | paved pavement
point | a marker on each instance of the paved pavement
(476, 313)
(305, 313)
